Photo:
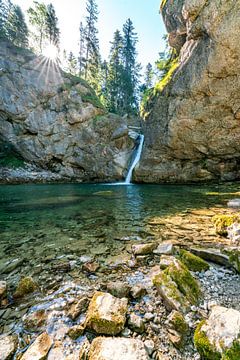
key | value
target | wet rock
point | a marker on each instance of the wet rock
(3, 289)
(8, 346)
(137, 291)
(165, 248)
(11, 266)
(148, 316)
(136, 323)
(57, 352)
(193, 262)
(25, 286)
(76, 331)
(78, 308)
(144, 249)
(119, 289)
(212, 255)
(39, 348)
(106, 314)
(234, 203)
(90, 267)
(35, 320)
(117, 349)
(219, 336)
(178, 288)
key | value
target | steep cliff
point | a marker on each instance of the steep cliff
(55, 121)
(192, 124)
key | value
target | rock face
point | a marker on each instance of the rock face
(106, 314)
(117, 349)
(219, 336)
(192, 127)
(55, 121)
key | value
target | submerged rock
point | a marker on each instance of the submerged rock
(39, 348)
(117, 349)
(8, 346)
(106, 314)
(25, 286)
(178, 288)
(3, 289)
(144, 249)
(219, 336)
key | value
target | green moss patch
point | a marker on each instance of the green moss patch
(203, 346)
(25, 286)
(233, 353)
(222, 222)
(193, 262)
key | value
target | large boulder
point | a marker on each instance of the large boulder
(39, 348)
(219, 336)
(106, 314)
(192, 128)
(55, 121)
(117, 349)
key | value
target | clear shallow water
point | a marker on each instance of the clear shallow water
(39, 223)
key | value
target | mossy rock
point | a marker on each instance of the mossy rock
(106, 314)
(222, 222)
(193, 262)
(218, 337)
(25, 286)
(177, 286)
(178, 323)
(203, 345)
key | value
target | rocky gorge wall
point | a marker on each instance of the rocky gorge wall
(56, 122)
(192, 125)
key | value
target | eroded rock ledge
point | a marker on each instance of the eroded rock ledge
(192, 128)
(55, 121)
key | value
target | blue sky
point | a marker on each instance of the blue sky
(113, 13)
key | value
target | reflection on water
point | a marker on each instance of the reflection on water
(43, 222)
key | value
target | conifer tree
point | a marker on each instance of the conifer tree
(93, 60)
(72, 64)
(5, 7)
(52, 29)
(16, 27)
(115, 84)
(82, 50)
(131, 68)
(149, 75)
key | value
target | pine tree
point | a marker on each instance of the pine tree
(115, 90)
(149, 75)
(52, 29)
(132, 69)
(16, 27)
(93, 60)
(5, 7)
(72, 64)
(38, 19)
(82, 50)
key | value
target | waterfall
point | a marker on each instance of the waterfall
(135, 160)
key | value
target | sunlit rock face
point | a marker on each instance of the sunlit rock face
(55, 120)
(192, 127)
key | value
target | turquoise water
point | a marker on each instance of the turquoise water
(41, 223)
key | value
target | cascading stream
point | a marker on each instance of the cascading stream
(135, 161)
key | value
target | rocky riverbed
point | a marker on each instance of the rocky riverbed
(157, 300)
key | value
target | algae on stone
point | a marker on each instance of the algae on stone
(106, 314)
(25, 286)
(222, 222)
(193, 262)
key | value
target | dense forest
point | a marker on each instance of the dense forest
(120, 82)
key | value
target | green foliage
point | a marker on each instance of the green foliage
(168, 76)
(233, 353)
(52, 29)
(12, 161)
(193, 262)
(203, 346)
(16, 27)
